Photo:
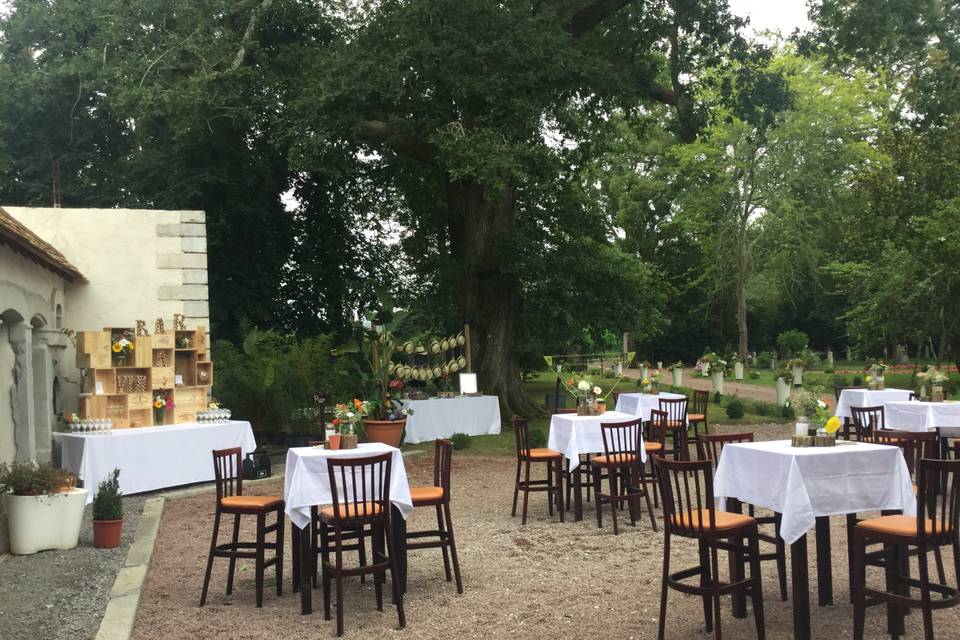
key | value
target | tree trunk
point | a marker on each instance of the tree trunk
(481, 222)
(742, 296)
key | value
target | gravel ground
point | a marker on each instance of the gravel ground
(543, 579)
(61, 595)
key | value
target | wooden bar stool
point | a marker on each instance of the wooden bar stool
(622, 461)
(361, 498)
(438, 496)
(688, 511)
(583, 468)
(553, 485)
(709, 448)
(231, 501)
(866, 420)
(698, 411)
(934, 526)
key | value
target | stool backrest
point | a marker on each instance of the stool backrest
(675, 408)
(710, 445)
(521, 435)
(228, 472)
(687, 491)
(701, 400)
(442, 460)
(867, 420)
(621, 437)
(938, 500)
(914, 445)
(358, 482)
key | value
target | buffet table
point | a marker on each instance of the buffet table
(442, 417)
(151, 458)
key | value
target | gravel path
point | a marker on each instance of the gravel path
(61, 595)
(540, 580)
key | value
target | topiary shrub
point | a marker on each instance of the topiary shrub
(792, 343)
(537, 439)
(754, 375)
(107, 504)
(857, 381)
(462, 441)
(761, 408)
(735, 410)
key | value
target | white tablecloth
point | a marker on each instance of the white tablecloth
(805, 483)
(923, 416)
(641, 404)
(307, 483)
(572, 435)
(151, 458)
(867, 398)
(442, 417)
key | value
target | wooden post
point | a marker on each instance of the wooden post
(468, 346)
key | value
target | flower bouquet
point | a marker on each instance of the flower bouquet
(122, 347)
(937, 379)
(348, 418)
(161, 404)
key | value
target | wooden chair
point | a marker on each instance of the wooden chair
(698, 411)
(709, 448)
(847, 422)
(913, 397)
(231, 501)
(676, 410)
(623, 463)
(689, 512)
(934, 526)
(360, 488)
(866, 420)
(526, 456)
(438, 495)
(655, 443)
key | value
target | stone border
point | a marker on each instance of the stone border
(118, 619)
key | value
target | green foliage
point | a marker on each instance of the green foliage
(31, 478)
(271, 380)
(793, 343)
(857, 381)
(754, 375)
(108, 503)
(764, 408)
(837, 381)
(786, 411)
(460, 441)
(537, 439)
(735, 409)
(716, 397)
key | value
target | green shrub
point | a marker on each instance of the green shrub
(828, 370)
(108, 503)
(764, 358)
(31, 478)
(271, 378)
(716, 397)
(838, 381)
(735, 410)
(754, 375)
(857, 381)
(460, 441)
(537, 439)
(762, 408)
(786, 411)
(792, 343)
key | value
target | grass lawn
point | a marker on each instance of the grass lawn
(543, 383)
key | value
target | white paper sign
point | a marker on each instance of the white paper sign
(468, 383)
(178, 380)
(99, 389)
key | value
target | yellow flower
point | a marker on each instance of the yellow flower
(833, 425)
(116, 347)
(132, 347)
(645, 381)
(158, 404)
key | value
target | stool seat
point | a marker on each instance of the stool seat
(614, 459)
(901, 526)
(723, 520)
(423, 495)
(350, 511)
(544, 454)
(250, 502)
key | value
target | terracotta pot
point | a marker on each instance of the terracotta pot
(333, 441)
(602, 408)
(388, 432)
(106, 533)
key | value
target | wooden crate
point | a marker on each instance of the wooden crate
(162, 340)
(162, 377)
(93, 350)
(187, 402)
(204, 374)
(143, 352)
(200, 339)
(141, 400)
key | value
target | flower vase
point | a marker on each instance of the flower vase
(644, 372)
(802, 426)
(348, 441)
(738, 370)
(783, 392)
(881, 384)
(923, 392)
(583, 406)
(705, 370)
(937, 393)
(601, 408)
(716, 378)
(797, 376)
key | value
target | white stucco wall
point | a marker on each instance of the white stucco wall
(141, 265)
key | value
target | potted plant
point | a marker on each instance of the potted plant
(384, 417)
(737, 368)
(108, 513)
(795, 366)
(644, 369)
(937, 380)
(44, 508)
(717, 368)
(783, 389)
(880, 369)
(677, 373)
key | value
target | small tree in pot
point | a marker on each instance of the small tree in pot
(108, 513)
(44, 509)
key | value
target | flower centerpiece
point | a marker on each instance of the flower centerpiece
(922, 378)
(937, 379)
(647, 385)
(347, 421)
(717, 368)
(162, 403)
(879, 370)
(122, 347)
